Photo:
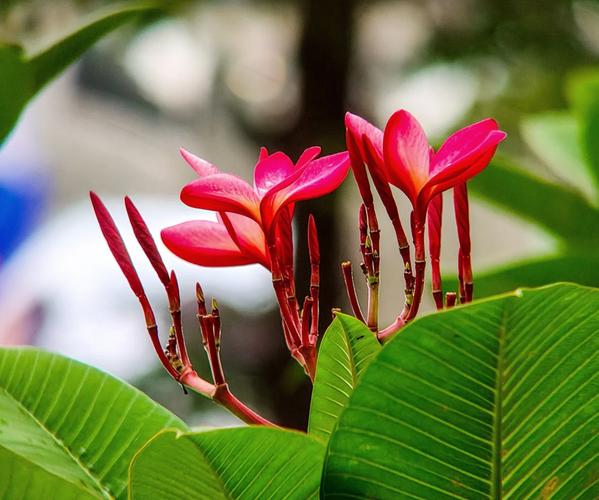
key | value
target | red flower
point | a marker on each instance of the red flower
(410, 163)
(248, 215)
(278, 183)
(234, 240)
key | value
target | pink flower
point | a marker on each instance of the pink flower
(278, 183)
(234, 240)
(407, 160)
(250, 218)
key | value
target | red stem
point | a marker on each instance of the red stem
(420, 265)
(434, 219)
(461, 206)
(348, 278)
(226, 398)
(212, 349)
(306, 317)
(450, 298)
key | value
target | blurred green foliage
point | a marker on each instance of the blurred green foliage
(566, 207)
(24, 75)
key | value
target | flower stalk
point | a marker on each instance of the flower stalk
(434, 219)
(254, 225)
(401, 155)
(462, 215)
(348, 279)
(173, 356)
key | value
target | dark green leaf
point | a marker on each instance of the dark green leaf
(47, 64)
(23, 76)
(497, 399)
(558, 209)
(246, 463)
(555, 139)
(16, 87)
(584, 95)
(581, 269)
(346, 350)
(68, 430)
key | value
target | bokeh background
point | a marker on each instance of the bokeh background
(222, 78)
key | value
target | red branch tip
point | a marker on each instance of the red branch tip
(434, 217)
(348, 279)
(144, 237)
(462, 215)
(116, 244)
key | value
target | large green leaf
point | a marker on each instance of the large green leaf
(68, 430)
(560, 210)
(497, 399)
(249, 463)
(346, 350)
(23, 76)
(581, 269)
(555, 138)
(583, 91)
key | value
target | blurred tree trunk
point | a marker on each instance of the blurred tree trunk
(324, 56)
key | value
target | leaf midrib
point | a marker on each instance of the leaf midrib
(496, 479)
(101, 488)
(353, 367)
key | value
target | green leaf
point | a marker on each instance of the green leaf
(497, 399)
(47, 64)
(346, 350)
(581, 269)
(555, 138)
(68, 430)
(247, 462)
(583, 90)
(23, 76)
(16, 87)
(558, 209)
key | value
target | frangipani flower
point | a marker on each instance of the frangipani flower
(254, 226)
(407, 160)
(233, 240)
(278, 183)
(402, 156)
(247, 215)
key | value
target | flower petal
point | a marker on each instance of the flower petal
(202, 167)
(462, 144)
(359, 127)
(357, 131)
(263, 153)
(314, 179)
(272, 170)
(449, 161)
(450, 178)
(247, 235)
(307, 156)
(406, 153)
(205, 243)
(222, 193)
(319, 177)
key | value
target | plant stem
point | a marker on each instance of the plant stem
(348, 279)
(226, 398)
(420, 265)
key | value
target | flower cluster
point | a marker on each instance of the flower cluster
(254, 225)
(401, 156)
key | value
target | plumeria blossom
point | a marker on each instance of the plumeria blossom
(401, 155)
(246, 215)
(233, 240)
(404, 155)
(254, 225)
(278, 184)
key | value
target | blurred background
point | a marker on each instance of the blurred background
(222, 78)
